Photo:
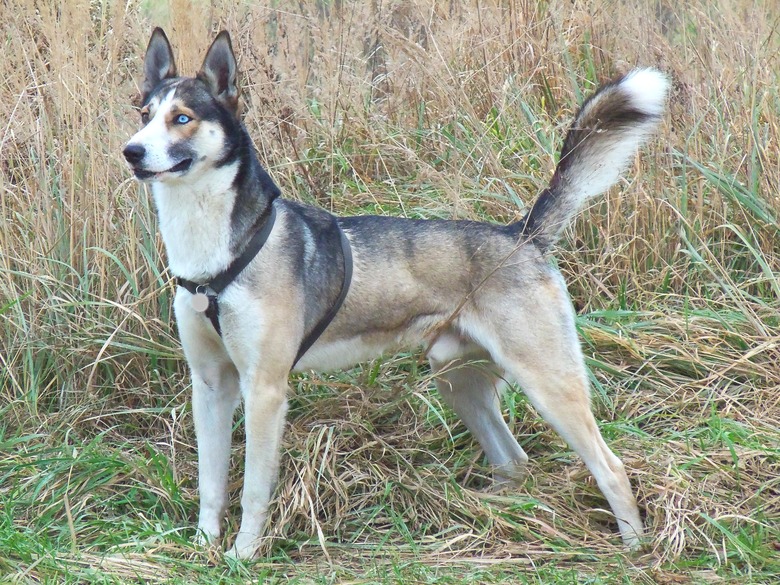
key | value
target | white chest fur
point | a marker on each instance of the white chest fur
(195, 223)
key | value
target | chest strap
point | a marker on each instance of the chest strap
(211, 290)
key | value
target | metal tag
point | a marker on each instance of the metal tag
(199, 302)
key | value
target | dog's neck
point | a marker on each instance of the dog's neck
(206, 221)
(195, 222)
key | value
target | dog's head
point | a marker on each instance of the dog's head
(188, 122)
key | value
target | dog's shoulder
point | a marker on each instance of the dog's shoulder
(314, 217)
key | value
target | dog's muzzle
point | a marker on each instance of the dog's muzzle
(135, 153)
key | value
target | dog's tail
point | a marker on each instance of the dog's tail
(608, 130)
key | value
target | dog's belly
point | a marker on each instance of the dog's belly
(337, 354)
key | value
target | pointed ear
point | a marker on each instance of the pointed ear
(158, 63)
(219, 72)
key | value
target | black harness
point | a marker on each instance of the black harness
(205, 295)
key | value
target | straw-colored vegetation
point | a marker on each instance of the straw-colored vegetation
(415, 108)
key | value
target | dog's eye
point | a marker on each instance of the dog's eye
(144, 117)
(182, 119)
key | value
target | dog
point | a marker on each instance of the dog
(269, 285)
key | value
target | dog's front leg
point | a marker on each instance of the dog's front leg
(265, 407)
(212, 409)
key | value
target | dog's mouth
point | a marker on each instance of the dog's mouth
(181, 167)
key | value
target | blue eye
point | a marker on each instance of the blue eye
(182, 119)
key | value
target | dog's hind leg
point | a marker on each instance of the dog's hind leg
(472, 388)
(540, 349)
(561, 398)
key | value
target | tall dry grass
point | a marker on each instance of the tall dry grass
(422, 109)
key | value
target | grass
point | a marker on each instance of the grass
(418, 109)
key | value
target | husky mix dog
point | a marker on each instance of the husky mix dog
(268, 285)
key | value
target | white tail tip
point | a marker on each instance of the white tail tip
(647, 89)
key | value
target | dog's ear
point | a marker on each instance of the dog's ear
(219, 71)
(158, 63)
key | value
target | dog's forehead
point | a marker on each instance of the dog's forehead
(162, 102)
(180, 85)
(161, 92)
(189, 92)
(193, 90)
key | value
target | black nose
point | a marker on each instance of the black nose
(134, 153)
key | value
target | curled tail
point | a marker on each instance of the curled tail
(608, 130)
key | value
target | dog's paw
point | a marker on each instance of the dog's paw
(509, 477)
(636, 542)
(204, 539)
(245, 547)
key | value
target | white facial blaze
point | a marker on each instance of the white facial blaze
(156, 138)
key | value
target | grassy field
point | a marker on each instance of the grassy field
(412, 108)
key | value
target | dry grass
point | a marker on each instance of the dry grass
(423, 109)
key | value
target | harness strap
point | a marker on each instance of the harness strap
(221, 280)
(213, 288)
(322, 324)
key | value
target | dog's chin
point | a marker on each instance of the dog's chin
(177, 170)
